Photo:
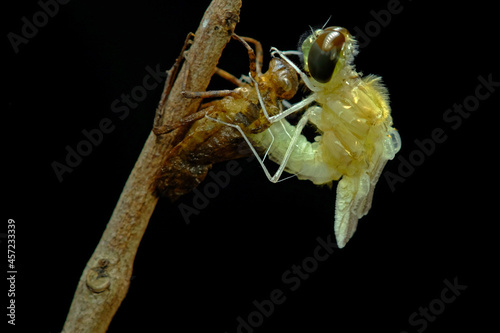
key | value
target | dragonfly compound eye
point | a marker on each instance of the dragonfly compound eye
(324, 53)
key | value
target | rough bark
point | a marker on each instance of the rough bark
(106, 277)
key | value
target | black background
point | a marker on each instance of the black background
(436, 225)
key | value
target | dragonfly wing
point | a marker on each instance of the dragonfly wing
(354, 200)
(352, 194)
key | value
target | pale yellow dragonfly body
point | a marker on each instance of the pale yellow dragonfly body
(353, 119)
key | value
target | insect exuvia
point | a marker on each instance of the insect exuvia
(353, 120)
(218, 129)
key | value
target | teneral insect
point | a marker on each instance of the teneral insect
(209, 140)
(353, 119)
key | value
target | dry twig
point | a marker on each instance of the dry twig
(106, 277)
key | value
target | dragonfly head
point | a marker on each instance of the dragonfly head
(326, 51)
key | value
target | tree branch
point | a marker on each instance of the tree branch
(106, 277)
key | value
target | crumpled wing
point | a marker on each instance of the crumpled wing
(354, 200)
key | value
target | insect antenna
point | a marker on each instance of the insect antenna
(324, 25)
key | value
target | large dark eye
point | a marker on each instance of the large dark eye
(324, 54)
